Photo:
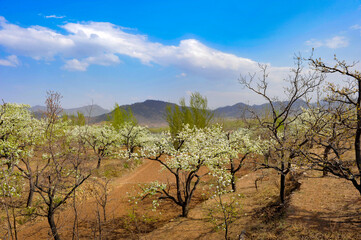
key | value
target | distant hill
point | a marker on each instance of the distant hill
(90, 110)
(149, 112)
(152, 112)
(234, 111)
(241, 109)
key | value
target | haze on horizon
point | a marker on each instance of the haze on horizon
(125, 52)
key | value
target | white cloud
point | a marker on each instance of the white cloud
(82, 65)
(36, 42)
(355, 27)
(10, 61)
(54, 16)
(101, 43)
(335, 42)
(76, 65)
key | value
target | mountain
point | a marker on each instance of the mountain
(38, 108)
(241, 109)
(90, 110)
(152, 112)
(149, 112)
(234, 111)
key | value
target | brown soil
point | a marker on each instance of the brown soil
(323, 208)
(327, 204)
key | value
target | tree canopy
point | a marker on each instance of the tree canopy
(196, 114)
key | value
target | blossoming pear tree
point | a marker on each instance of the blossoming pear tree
(19, 135)
(242, 144)
(103, 139)
(131, 138)
(200, 152)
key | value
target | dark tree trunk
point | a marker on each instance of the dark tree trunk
(54, 230)
(358, 137)
(282, 188)
(233, 182)
(282, 183)
(185, 209)
(325, 159)
(99, 161)
(14, 223)
(31, 192)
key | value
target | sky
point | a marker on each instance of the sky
(104, 52)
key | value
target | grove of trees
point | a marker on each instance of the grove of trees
(45, 162)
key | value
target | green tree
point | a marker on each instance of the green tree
(196, 114)
(121, 116)
(78, 119)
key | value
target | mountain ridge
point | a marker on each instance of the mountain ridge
(153, 112)
(88, 111)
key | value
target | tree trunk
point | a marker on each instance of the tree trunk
(325, 160)
(31, 192)
(358, 145)
(99, 161)
(356, 185)
(185, 209)
(14, 223)
(233, 182)
(54, 230)
(282, 183)
(358, 129)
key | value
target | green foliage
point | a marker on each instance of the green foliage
(279, 123)
(11, 183)
(65, 117)
(78, 120)
(157, 130)
(18, 133)
(196, 114)
(230, 124)
(121, 116)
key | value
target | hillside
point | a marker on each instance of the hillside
(149, 112)
(241, 109)
(90, 110)
(152, 112)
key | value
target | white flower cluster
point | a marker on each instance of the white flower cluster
(208, 148)
(19, 132)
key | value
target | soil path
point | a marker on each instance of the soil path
(326, 204)
(117, 207)
(198, 226)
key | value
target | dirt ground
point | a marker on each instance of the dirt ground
(322, 208)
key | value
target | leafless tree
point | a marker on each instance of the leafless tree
(343, 125)
(277, 125)
(57, 178)
(100, 191)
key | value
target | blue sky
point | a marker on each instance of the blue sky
(130, 51)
